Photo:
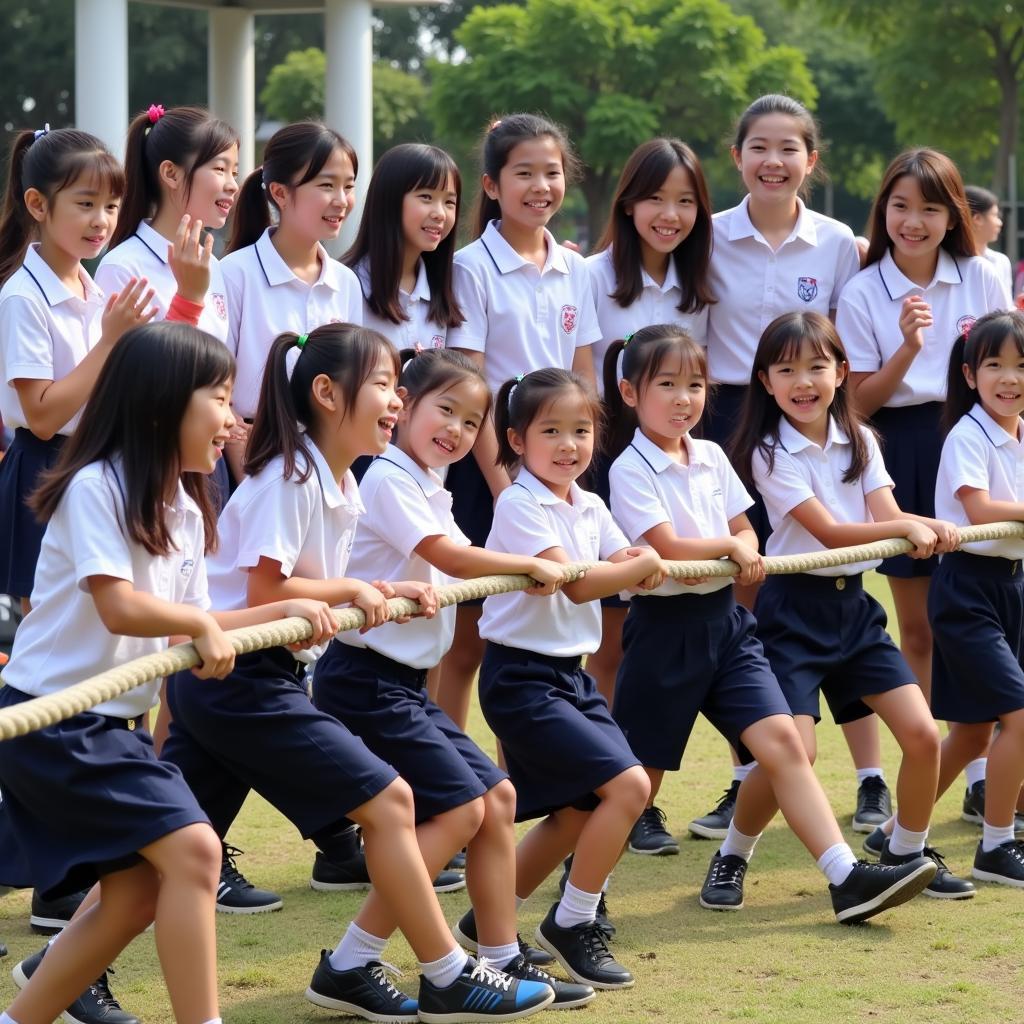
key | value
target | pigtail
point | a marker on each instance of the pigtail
(507, 456)
(621, 418)
(251, 213)
(16, 226)
(960, 397)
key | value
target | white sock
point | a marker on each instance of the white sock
(903, 842)
(216, 1020)
(520, 900)
(836, 863)
(975, 771)
(866, 773)
(576, 907)
(741, 771)
(995, 835)
(442, 973)
(736, 844)
(356, 949)
(500, 956)
(6, 1018)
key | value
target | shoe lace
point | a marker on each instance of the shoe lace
(486, 972)
(652, 820)
(595, 942)
(229, 869)
(100, 988)
(1017, 850)
(382, 973)
(932, 854)
(728, 798)
(602, 906)
(727, 872)
(872, 794)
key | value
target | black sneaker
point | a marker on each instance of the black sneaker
(974, 809)
(236, 894)
(649, 835)
(874, 804)
(723, 885)
(583, 951)
(96, 1005)
(50, 916)
(481, 993)
(872, 888)
(604, 922)
(449, 881)
(346, 875)
(875, 843)
(715, 824)
(458, 861)
(365, 992)
(945, 885)
(1004, 864)
(568, 995)
(466, 936)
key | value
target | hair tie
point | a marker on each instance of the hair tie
(155, 112)
(512, 390)
(40, 132)
(301, 340)
(417, 349)
(493, 125)
(626, 340)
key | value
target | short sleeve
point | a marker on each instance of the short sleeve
(637, 504)
(734, 494)
(234, 289)
(996, 295)
(471, 296)
(875, 474)
(398, 512)
(275, 522)
(855, 328)
(612, 539)
(112, 276)
(524, 527)
(27, 345)
(847, 267)
(784, 487)
(965, 461)
(98, 545)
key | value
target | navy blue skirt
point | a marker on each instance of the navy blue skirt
(258, 729)
(81, 798)
(826, 634)
(911, 442)
(21, 532)
(976, 611)
(385, 704)
(559, 739)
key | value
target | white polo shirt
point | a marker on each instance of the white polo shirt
(529, 519)
(144, 254)
(803, 470)
(979, 453)
(1001, 265)
(521, 318)
(63, 641)
(656, 304)
(265, 299)
(307, 526)
(418, 329)
(404, 505)
(868, 319)
(649, 487)
(45, 331)
(754, 284)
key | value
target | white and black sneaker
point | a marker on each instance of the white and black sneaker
(872, 888)
(1004, 864)
(945, 885)
(723, 884)
(366, 992)
(974, 809)
(583, 951)
(715, 824)
(465, 933)
(481, 993)
(51, 916)
(568, 995)
(650, 837)
(236, 894)
(875, 842)
(351, 874)
(874, 804)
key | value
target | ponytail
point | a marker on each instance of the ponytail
(16, 226)
(507, 456)
(621, 418)
(960, 396)
(251, 213)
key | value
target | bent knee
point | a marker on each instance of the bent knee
(500, 804)
(392, 807)
(922, 740)
(916, 636)
(465, 820)
(195, 856)
(631, 789)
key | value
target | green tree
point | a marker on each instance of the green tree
(614, 72)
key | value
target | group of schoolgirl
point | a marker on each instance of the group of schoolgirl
(121, 565)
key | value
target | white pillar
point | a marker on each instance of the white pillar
(101, 70)
(232, 77)
(348, 30)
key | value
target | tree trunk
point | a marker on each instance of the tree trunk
(597, 190)
(1007, 70)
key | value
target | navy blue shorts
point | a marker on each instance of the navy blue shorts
(827, 634)
(687, 655)
(976, 610)
(257, 729)
(81, 798)
(21, 534)
(385, 704)
(559, 739)
(911, 441)
(721, 417)
(596, 480)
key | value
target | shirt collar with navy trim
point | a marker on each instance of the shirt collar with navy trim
(430, 483)
(992, 430)
(334, 496)
(659, 460)
(152, 240)
(898, 285)
(581, 499)
(507, 260)
(278, 272)
(419, 293)
(793, 441)
(741, 226)
(54, 290)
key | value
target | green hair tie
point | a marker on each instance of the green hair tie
(626, 340)
(301, 340)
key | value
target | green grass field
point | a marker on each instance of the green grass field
(782, 959)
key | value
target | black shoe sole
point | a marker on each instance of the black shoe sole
(900, 892)
(568, 968)
(318, 999)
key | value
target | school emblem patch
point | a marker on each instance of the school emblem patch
(569, 316)
(186, 567)
(220, 306)
(965, 323)
(807, 288)
(437, 341)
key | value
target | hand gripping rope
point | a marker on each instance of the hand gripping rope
(56, 707)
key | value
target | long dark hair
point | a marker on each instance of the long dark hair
(187, 136)
(758, 428)
(982, 341)
(643, 355)
(294, 155)
(134, 415)
(940, 182)
(535, 392)
(381, 240)
(48, 163)
(644, 174)
(344, 352)
(501, 137)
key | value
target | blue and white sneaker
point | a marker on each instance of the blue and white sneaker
(482, 993)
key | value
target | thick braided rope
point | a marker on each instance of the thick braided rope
(45, 711)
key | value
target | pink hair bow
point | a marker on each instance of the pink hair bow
(155, 112)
